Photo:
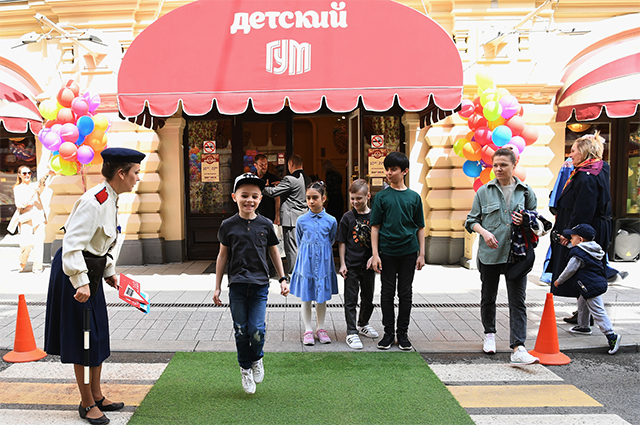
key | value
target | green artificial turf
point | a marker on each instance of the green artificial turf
(301, 388)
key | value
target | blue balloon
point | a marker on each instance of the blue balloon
(472, 168)
(501, 135)
(80, 140)
(85, 125)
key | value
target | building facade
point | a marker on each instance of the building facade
(175, 210)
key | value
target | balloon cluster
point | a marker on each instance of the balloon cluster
(248, 161)
(74, 133)
(495, 121)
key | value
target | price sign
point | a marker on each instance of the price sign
(210, 168)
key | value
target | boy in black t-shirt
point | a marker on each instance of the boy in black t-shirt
(354, 238)
(244, 240)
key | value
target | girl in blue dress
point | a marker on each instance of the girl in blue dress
(314, 274)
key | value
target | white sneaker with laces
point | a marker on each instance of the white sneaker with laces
(368, 331)
(257, 368)
(522, 357)
(489, 346)
(248, 383)
(353, 341)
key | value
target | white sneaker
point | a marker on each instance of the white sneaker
(368, 331)
(353, 341)
(257, 368)
(522, 357)
(489, 346)
(248, 383)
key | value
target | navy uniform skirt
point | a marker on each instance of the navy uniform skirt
(63, 332)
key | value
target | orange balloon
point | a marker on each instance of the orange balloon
(520, 172)
(471, 151)
(486, 154)
(530, 134)
(97, 140)
(485, 175)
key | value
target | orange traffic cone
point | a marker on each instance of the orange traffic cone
(24, 346)
(547, 348)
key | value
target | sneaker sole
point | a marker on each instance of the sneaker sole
(580, 333)
(525, 363)
(488, 352)
(616, 347)
(406, 348)
(382, 347)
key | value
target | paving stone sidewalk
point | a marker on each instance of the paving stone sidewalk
(445, 316)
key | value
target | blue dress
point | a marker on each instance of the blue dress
(314, 274)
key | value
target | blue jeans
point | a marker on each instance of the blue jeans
(248, 304)
(517, 296)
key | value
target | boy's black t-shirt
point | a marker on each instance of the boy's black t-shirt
(248, 242)
(355, 232)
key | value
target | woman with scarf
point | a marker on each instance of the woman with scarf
(585, 199)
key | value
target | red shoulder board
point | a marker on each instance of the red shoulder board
(102, 196)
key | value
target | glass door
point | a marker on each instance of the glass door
(354, 125)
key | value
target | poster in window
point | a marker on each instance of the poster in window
(210, 168)
(376, 162)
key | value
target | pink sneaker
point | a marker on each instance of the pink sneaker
(323, 336)
(308, 338)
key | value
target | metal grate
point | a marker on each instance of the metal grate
(334, 305)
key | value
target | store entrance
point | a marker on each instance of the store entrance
(334, 148)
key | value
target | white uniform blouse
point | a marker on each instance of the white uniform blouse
(92, 227)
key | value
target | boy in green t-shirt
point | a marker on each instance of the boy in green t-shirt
(397, 242)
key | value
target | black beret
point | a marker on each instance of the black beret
(122, 155)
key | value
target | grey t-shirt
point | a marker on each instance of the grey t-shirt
(507, 191)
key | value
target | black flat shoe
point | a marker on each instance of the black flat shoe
(93, 421)
(109, 407)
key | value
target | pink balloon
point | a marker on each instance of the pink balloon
(51, 141)
(518, 142)
(483, 135)
(514, 148)
(467, 108)
(69, 133)
(56, 128)
(80, 106)
(516, 124)
(85, 154)
(530, 134)
(93, 100)
(510, 106)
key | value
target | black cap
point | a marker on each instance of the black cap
(122, 155)
(585, 231)
(248, 178)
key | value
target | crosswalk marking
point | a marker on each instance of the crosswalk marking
(64, 372)
(66, 394)
(493, 373)
(55, 417)
(520, 396)
(548, 419)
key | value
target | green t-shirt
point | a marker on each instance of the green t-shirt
(399, 214)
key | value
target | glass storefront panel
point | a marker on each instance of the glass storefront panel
(210, 193)
(575, 131)
(633, 182)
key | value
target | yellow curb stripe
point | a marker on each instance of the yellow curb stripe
(67, 394)
(520, 396)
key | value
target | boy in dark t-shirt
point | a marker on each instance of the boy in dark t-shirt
(354, 238)
(244, 240)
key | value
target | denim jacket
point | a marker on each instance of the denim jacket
(490, 210)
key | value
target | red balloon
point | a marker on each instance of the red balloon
(80, 106)
(49, 123)
(65, 97)
(516, 124)
(68, 151)
(65, 115)
(476, 121)
(483, 135)
(478, 106)
(466, 108)
(476, 184)
(521, 111)
(520, 172)
(486, 154)
(71, 85)
(529, 134)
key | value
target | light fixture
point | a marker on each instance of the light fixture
(573, 31)
(578, 127)
(75, 39)
(29, 38)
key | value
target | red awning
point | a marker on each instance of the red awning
(605, 75)
(271, 51)
(17, 111)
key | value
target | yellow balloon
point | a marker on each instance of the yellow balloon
(492, 175)
(484, 80)
(495, 123)
(100, 122)
(488, 95)
(55, 164)
(68, 168)
(502, 93)
(458, 147)
(48, 110)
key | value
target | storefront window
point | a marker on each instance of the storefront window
(15, 150)
(210, 191)
(267, 138)
(575, 131)
(633, 183)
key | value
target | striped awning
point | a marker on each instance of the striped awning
(603, 77)
(18, 111)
